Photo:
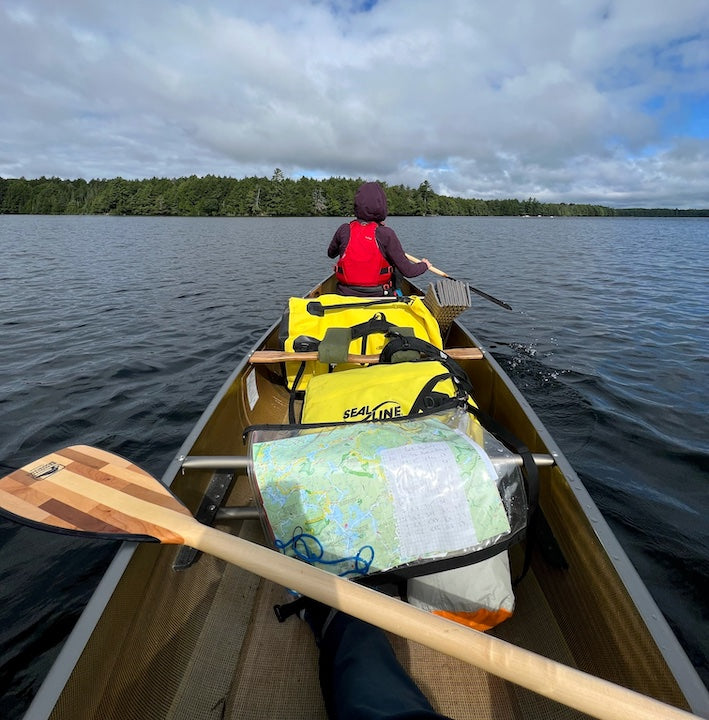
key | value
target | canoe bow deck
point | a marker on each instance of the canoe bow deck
(204, 642)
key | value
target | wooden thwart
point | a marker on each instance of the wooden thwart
(272, 356)
(85, 491)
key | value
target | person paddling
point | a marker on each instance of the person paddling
(369, 252)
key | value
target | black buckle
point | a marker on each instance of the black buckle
(283, 612)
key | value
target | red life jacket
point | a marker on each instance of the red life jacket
(363, 262)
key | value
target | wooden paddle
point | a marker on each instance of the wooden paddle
(491, 298)
(85, 491)
(271, 356)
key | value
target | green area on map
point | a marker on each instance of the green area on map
(385, 485)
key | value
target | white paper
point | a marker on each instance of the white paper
(430, 505)
(251, 389)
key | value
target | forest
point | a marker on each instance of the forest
(277, 196)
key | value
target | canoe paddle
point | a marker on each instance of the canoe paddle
(82, 490)
(491, 298)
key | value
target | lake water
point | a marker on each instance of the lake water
(117, 332)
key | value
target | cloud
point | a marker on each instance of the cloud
(600, 101)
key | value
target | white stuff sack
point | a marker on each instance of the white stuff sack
(479, 595)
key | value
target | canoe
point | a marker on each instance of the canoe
(172, 633)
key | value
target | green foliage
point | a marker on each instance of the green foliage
(261, 196)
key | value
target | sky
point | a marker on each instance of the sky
(585, 101)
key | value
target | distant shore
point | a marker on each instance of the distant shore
(278, 196)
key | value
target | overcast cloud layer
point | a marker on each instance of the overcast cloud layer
(601, 101)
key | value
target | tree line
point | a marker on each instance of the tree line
(276, 196)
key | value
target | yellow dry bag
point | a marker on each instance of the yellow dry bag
(306, 322)
(378, 392)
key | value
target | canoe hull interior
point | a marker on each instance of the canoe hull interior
(205, 643)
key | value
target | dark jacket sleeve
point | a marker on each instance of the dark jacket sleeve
(339, 241)
(394, 253)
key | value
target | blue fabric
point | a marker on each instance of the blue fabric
(361, 678)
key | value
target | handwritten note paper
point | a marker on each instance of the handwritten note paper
(430, 505)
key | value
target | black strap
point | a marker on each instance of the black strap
(428, 399)
(294, 607)
(406, 572)
(378, 291)
(388, 270)
(401, 343)
(315, 307)
(294, 392)
(376, 324)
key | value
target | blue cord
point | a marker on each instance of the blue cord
(302, 551)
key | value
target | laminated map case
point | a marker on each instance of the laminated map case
(388, 500)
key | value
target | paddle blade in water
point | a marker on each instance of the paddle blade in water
(82, 490)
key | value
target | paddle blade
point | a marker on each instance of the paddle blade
(85, 491)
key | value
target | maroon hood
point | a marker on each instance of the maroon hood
(370, 202)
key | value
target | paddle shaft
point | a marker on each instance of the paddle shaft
(435, 270)
(432, 268)
(578, 690)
